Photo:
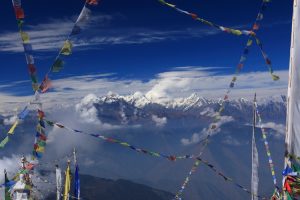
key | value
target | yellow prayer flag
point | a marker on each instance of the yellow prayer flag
(12, 129)
(249, 43)
(67, 48)
(25, 37)
(67, 182)
(40, 149)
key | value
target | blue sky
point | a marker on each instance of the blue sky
(141, 39)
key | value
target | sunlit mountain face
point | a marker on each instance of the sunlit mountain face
(174, 127)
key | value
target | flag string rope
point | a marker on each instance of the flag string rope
(239, 67)
(172, 158)
(122, 143)
(266, 143)
(31, 166)
(57, 65)
(237, 32)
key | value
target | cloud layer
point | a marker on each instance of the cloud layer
(181, 82)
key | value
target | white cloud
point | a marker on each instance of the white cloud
(165, 86)
(279, 129)
(160, 122)
(197, 137)
(87, 110)
(11, 120)
(11, 164)
(193, 140)
(49, 35)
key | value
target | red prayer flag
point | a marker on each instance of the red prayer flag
(35, 146)
(41, 114)
(31, 69)
(29, 166)
(43, 137)
(194, 16)
(19, 12)
(288, 187)
(92, 2)
(46, 84)
(268, 61)
(255, 27)
(241, 65)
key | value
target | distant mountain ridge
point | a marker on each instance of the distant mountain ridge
(94, 188)
(137, 108)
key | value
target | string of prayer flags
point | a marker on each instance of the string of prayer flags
(251, 33)
(157, 154)
(267, 60)
(11, 131)
(19, 12)
(187, 180)
(228, 179)
(206, 22)
(66, 50)
(193, 169)
(58, 63)
(243, 58)
(266, 143)
(122, 143)
(40, 138)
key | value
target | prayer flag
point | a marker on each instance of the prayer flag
(12, 129)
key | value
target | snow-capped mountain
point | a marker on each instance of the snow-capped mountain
(173, 127)
(137, 108)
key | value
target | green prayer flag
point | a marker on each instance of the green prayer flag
(275, 77)
(58, 65)
(4, 142)
(41, 143)
(236, 32)
(34, 79)
(295, 168)
(288, 196)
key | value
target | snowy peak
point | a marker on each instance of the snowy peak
(139, 100)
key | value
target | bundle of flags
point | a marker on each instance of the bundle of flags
(67, 186)
(291, 180)
(41, 137)
(19, 13)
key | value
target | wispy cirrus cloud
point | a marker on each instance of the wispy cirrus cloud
(49, 36)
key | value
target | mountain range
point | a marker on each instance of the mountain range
(171, 127)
